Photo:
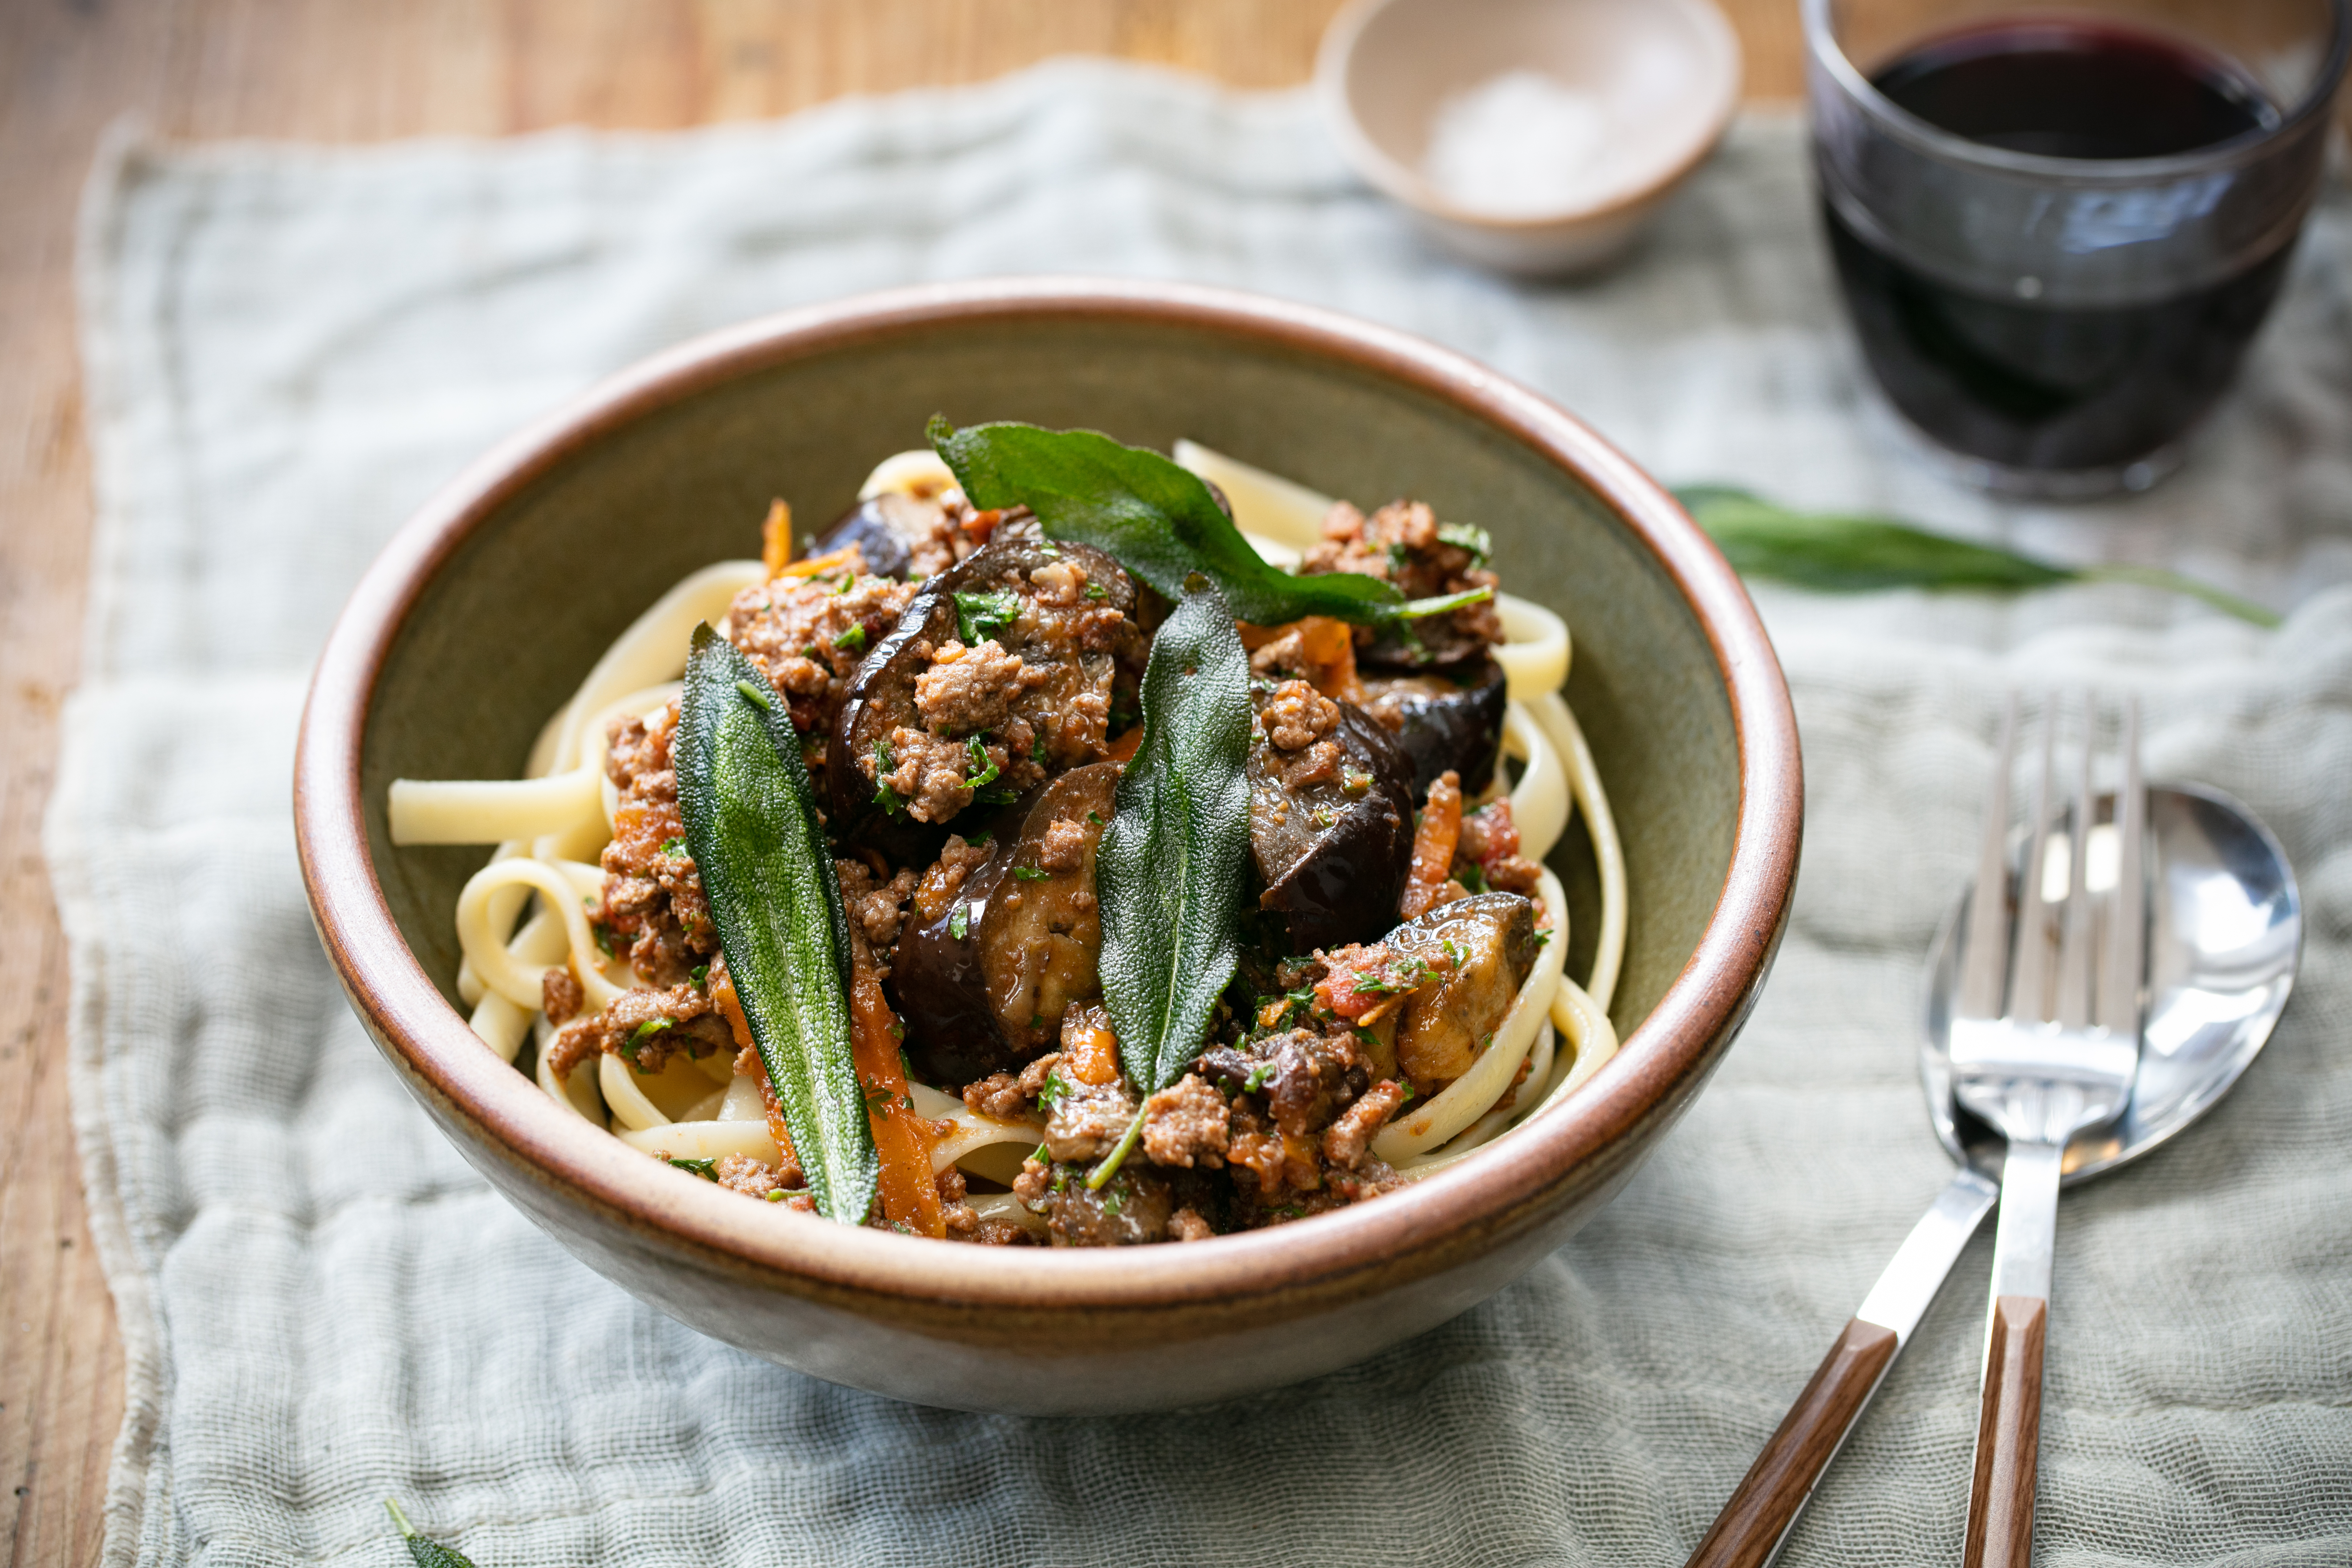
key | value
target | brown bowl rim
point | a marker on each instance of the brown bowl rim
(1661, 1062)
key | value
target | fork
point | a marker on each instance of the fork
(2045, 1043)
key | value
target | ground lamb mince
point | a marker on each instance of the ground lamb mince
(1275, 1118)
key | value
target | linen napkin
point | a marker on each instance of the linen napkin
(322, 1306)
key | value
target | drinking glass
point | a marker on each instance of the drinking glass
(2057, 226)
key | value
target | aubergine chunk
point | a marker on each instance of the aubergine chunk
(1132, 1208)
(984, 986)
(1019, 663)
(1450, 721)
(898, 535)
(1331, 816)
(1477, 953)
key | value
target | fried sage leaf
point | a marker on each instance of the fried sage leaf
(422, 1552)
(1157, 520)
(752, 825)
(1170, 868)
(1839, 553)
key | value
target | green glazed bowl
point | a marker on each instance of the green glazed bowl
(489, 606)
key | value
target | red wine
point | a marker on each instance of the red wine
(2059, 388)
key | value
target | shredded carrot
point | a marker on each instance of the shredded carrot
(776, 539)
(730, 1005)
(1092, 1053)
(1326, 653)
(910, 1195)
(1432, 847)
(848, 558)
(1123, 749)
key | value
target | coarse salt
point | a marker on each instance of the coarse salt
(1523, 143)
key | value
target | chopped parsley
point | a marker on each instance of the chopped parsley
(885, 763)
(960, 923)
(1056, 1089)
(980, 840)
(1112, 1201)
(848, 580)
(1037, 750)
(980, 616)
(1256, 1079)
(853, 640)
(1472, 877)
(700, 973)
(1095, 819)
(1399, 557)
(1355, 786)
(755, 697)
(707, 1168)
(985, 770)
(604, 935)
(1096, 592)
(1041, 1156)
(636, 1042)
(1031, 873)
(674, 846)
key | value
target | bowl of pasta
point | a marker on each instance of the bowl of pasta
(1053, 846)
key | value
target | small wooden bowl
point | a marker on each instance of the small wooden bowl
(491, 604)
(1669, 69)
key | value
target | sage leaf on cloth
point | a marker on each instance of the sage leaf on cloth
(1158, 521)
(422, 1552)
(1173, 861)
(1839, 552)
(752, 827)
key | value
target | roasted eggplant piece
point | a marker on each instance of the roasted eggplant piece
(1479, 952)
(1452, 719)
(983, 987)
(1086, 642)
(1434, 643)
(1332, 832)
(887, 529)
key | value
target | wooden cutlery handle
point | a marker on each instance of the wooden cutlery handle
(2009, 1437)
(1748, 1529)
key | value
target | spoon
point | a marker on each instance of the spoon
(2225, 935)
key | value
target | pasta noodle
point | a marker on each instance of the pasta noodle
(527, 921)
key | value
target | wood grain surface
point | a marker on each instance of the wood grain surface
(355, 70)
(1769, 1498)
(2000, 1531)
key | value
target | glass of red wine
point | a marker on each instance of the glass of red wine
(2057, 227)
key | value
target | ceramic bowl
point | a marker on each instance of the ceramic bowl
(1658, 80)
(490, 604)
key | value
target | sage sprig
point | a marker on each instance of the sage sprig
(752, 827)
(1843, 554)
(1171, 868)
(422, 1552)
(1159, 521)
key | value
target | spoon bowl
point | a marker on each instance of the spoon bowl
(2225, 931)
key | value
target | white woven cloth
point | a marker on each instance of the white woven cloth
(290, 348)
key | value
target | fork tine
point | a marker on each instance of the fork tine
(2029, 969)
(2076, 951)
(1985, 957)
(2126, 934)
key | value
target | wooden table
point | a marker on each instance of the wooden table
(348, 70)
